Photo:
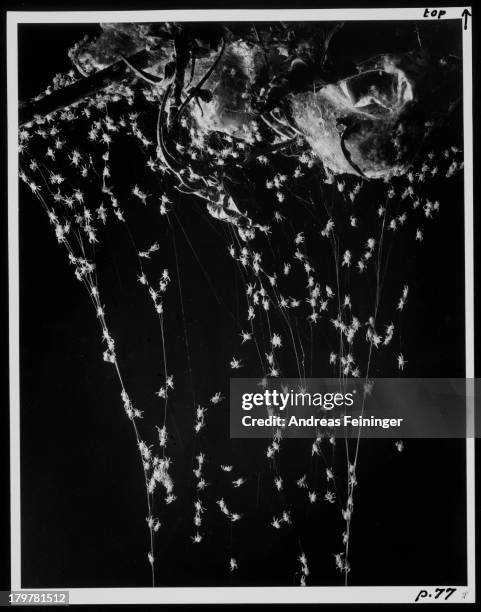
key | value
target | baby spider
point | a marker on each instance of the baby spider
(330, 497)
(276, 340)
(235, 364)
(202, 484)
(262, 383)
(245, 336)
(301, 483)
(346, 259)
(313, 317)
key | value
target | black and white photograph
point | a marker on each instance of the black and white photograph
(202, 196)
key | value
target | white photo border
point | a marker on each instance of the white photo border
(218, 595)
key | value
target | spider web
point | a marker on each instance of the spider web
(311, 254)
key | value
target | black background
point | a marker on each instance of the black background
(82, 521)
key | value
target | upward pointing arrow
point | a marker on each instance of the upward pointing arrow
(465, 14)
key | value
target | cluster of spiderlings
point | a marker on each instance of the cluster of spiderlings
(311, 294)
(68, 180)
(304, 569)
(405, 206)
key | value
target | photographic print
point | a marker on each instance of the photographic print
(201, 196)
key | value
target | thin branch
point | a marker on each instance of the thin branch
(75, 93)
